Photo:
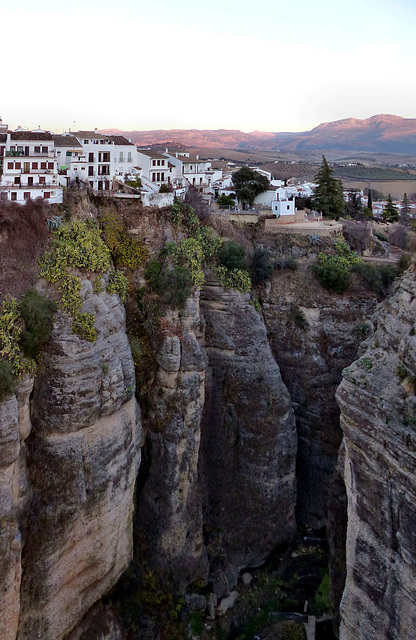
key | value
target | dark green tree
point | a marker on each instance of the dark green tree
(249, 184)
(328, 197)
(354, 208)
(390, 212)
(405, 211)
(370, 201)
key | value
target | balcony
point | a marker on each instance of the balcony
(31, 154)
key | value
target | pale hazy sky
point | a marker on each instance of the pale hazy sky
(235, 64)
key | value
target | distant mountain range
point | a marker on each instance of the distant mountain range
(382, 133)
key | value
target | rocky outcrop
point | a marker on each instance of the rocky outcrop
(248, 446)
(15, 428)
(378, 417)
(169, 509)
(70, 497)
(314, 334)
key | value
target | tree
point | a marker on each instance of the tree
(227, 201)
(405, 211)
(370, 201)
(390, 212)
(328, 197)
(232, 255)
(249, 184)
(354, 208)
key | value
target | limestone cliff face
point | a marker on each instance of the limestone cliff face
(68, 477)
(220, 449)
(248, 446)
(169, 509)
(314, 334)
(378, 417)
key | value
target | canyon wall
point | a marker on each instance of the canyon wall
(68, 471)
(378, 417)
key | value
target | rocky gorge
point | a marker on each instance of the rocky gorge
(239, 442)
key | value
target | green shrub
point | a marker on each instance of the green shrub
(232, 255)
(403, 263)
(173, 285)
(376, 277)
(6, 379)
(197, 623)
(332, 275)
(126, 250)
(10, 335)
(226, 201)
(287, 262)
(83, 326)
(380, 235)
(233, 279)
(261, 270)
(37, 312)
(118, 283)
(322, 601)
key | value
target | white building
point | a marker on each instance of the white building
(107, 157)
(282, 204)
(30, 167)
(155, 169)
(72, 162)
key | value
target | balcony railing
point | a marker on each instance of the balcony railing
(31, 154)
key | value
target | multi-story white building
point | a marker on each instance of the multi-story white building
(107, 157)
(72, 162)
(155, 168)
(30, 168)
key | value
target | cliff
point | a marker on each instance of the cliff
(68, 466)
(378, 417)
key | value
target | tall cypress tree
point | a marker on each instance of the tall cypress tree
(328, 197)
(390, 213)
(370, 201)
(405, 210)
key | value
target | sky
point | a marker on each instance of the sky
(263, 65)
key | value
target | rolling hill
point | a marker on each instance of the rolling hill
(381, 133)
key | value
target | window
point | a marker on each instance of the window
(29, 181)
(42, 180)
(17, 180)
(158, 163)
(13, 195)
(153, 163)
(34, 166)
(10, 165)
(162, 176)
(17, 165)
(86, 141)
(158, 177)
(130, 159)
(50, 165)
(90, 157)
(162, 163)
(69, 154)
(26, 195)
(47, 194)
(153, 177)
(102, 141)
(12, 148)
(3, 196)
(37, 149)
(90, 171)
(43, 165)
(121, 157)
(104, 156)
(288, 206)
(20, 149)
(44, 149)
(91, 184)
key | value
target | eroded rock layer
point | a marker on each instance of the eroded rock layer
(70, 497)
(378, 418)
(248, 446)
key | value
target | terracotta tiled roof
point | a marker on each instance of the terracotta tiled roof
(65, 141)
(120, 140)
(30, 135)
(152, 154)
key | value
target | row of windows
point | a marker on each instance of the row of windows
(17, 166)
(160, 163)
(30, 180)
(26, 150)
(105, 156)
(26, 195)
(157, 177)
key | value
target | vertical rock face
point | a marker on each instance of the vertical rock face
(169, 511)
(378, 417)
(82, 460)
(248, 448)
(14, 494)
(314, 335)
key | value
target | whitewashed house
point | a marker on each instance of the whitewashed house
(108, 158)
(283, 204)
(72, 162)
(30, 167)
